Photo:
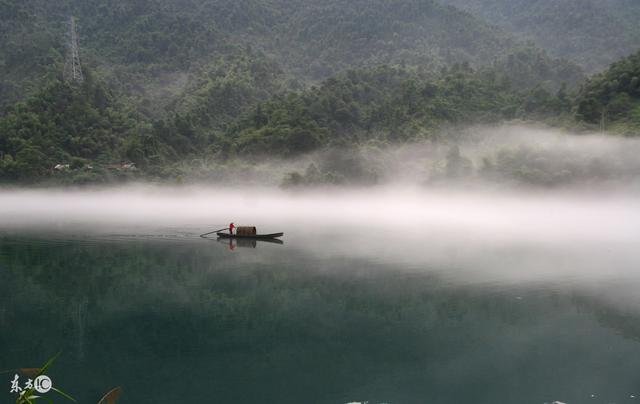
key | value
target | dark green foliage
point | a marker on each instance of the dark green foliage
(387, 103)
(62, 124)
(229, 87)
(27, 51)
(172, 81)
(142, 46)
(613, 97)
(226, 118)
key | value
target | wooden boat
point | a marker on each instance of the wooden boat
(251, 236)
(247, 242)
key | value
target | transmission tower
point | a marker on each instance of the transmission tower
(72, 70)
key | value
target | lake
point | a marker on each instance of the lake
(446, 307)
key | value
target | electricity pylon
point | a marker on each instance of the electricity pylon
(72, 69)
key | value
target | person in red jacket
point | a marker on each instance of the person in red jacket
(231, 227)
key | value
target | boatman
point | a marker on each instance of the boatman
(231, 227)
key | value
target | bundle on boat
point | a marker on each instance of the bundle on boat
(243, 232)
(246, 231)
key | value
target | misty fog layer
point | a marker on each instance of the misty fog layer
(535, 216)
(504, 157)
(430, 208)
(499, 236)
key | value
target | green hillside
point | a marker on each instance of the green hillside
(388, 104)
(61, 124)
(593, 33)
(171, 81)
(321, 39)
(152, 50)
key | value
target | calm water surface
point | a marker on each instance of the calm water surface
(173, 318)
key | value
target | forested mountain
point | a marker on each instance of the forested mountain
(86, 125)
(177, 80)
(322, 38)
(152, 49)
(592, 33)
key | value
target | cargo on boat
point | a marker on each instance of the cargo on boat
(247, 232)
(250, 236)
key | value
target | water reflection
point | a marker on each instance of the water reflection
(233, 243)
(174, 320)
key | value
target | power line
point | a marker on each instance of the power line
(72, 69)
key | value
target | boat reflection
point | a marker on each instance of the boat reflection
(233, 243)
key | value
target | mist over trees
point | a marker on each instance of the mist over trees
(175, 83)
(591, 33)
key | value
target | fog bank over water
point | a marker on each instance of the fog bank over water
(411, 210)
(404, 224)
(543, 204)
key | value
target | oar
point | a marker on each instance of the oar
(211, 232)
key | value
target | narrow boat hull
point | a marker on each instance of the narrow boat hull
(255, 236)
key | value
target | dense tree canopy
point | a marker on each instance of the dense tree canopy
(62, 124)
(612, 98)
(140, 46)
(592, 33)
(171, 81)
